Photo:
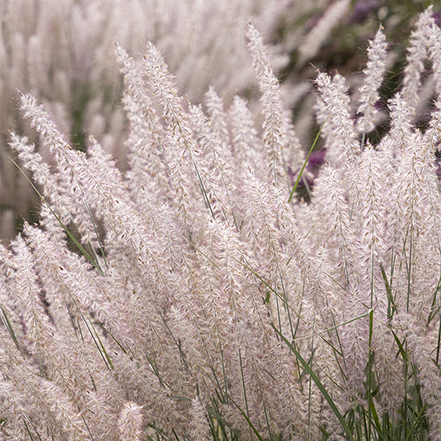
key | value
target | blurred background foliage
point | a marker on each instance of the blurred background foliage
(85, 98)
(344, 50)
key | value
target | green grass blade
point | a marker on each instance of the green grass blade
(334, 327)
(160, 432)
(35, 429)
(197, 249)
(203, 191)
(370, 373)
(248, 420)
(374, 414)
(9, 328)
(390, 298)
(418, 421)
(98, 343)
(319, 385)
(95, 229)
(101, 325)
(87, 427)
(306, 161)
(244, 391)
(280, 296)
(401, 348)
(77, 244)
(27, 430)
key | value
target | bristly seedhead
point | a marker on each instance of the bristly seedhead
(195, 296)
(374, 73)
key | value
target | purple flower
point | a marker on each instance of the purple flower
(362, 10)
